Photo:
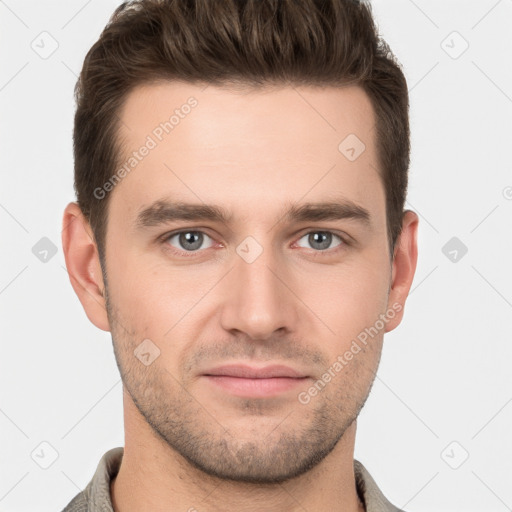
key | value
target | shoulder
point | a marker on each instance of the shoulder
(369, 491)
(77, 504)
(96, 496)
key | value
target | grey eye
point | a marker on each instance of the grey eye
(189, 240)
(319, 240)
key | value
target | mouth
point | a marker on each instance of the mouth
(252, 382)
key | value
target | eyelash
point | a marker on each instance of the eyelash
(190, 254)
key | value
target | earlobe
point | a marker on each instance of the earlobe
(403, 267)
(83, 265)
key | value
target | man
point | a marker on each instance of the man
(241, 172)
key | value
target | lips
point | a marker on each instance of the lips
(253, 382)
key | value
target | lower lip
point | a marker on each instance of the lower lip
(255, 387)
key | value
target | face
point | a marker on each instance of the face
(246, 257)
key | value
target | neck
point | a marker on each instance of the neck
(153, 477)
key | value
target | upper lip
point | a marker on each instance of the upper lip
(252, 372)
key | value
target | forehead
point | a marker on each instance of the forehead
(246, 147)
(318, 113)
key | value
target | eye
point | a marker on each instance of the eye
(188, 241)
(320, 240)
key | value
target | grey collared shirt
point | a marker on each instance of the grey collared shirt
(96, 496)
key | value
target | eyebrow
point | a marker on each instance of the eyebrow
(163, 211)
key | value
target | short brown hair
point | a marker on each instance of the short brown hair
(230, 43)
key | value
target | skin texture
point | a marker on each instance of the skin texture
(190, 445)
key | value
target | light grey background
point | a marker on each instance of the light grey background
(444, 389)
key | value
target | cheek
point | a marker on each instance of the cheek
(145, 287)
(154, 301)
(349, 298)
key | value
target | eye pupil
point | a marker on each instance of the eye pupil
(194, 239)
(322, 238)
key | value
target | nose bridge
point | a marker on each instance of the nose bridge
(257, 302)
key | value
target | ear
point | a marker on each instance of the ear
(83, 265)
(403, 267)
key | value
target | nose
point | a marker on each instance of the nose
(259, 299)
